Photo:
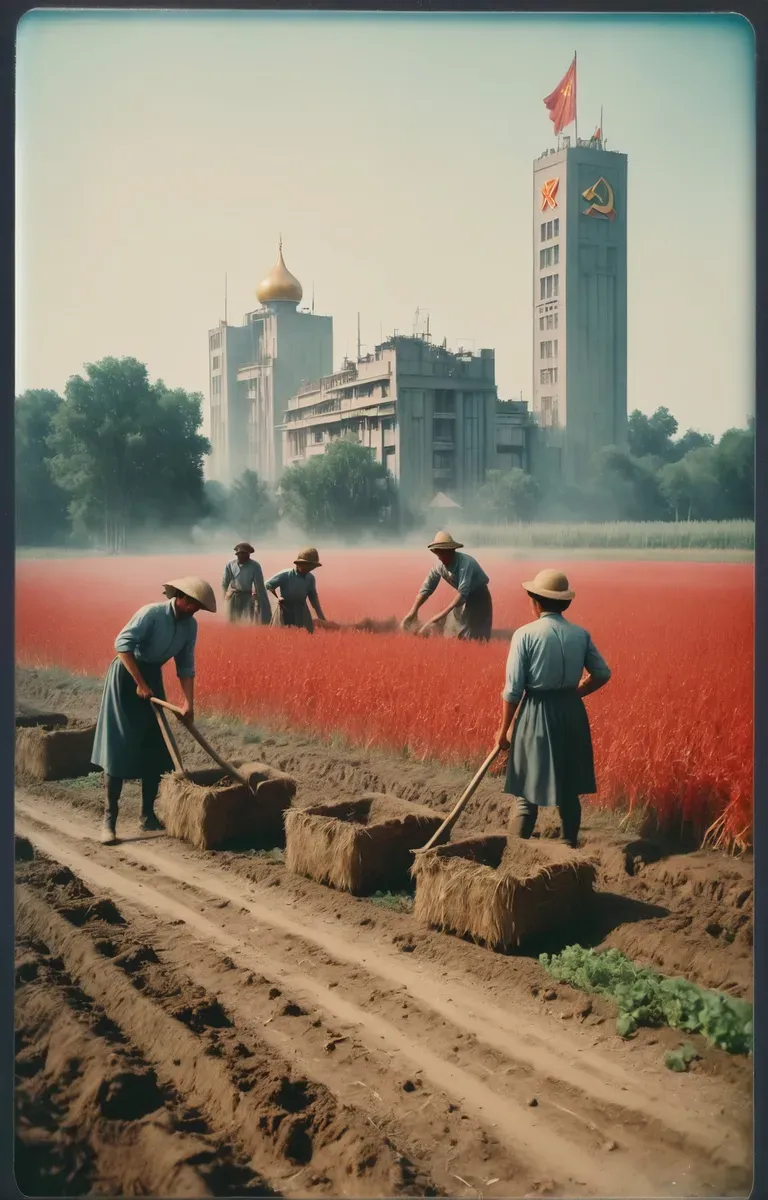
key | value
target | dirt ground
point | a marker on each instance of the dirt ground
(195, 1024)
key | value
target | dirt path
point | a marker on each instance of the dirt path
(409, 1078)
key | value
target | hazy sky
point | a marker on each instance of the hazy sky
(394, 153)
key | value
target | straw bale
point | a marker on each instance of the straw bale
(500, 892)
(45, 752)
(360, 846)
(211, 810)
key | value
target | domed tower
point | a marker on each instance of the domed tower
(279, 286)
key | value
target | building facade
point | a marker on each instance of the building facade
(579, 304)
(254, 370)
(429, 415)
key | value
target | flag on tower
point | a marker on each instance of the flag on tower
(562, 102)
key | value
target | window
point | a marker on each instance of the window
(556, 320)
(543, 232)
(442, 461)
(541, 288)
(216, 385)
(545, 376)
(215, 362)
(384, 390)
(555, 349)
(546, 349)
(557, 227)
(542, 259)
(541, 322)
(549, 230)
(556, 286)
(442, 431)
(215, 341)
(548, 281)
(556, 254)
(317, 437)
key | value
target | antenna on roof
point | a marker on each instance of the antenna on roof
(225, 297)
(358, 337)
(313, 295)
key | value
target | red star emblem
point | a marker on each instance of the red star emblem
(549, 194)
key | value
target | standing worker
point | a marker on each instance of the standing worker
(128, 743)
(298, 590)
(552, 666)
(472, 606)
(243, 585)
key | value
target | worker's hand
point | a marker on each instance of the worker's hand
(187, 711)
(407, 621)
(143, 692)
(502, 741)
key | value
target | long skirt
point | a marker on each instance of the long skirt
(473, 621)
(551, 757)
(241, 606)
(293, 613)
(128, 743)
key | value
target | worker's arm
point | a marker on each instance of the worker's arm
(265, 612)
(274, 581)
(596, 671)
(445, 612)
(313, 598)
(226, 579)
(185, 669)
(128, 641)
(514, 686)
(425, 591)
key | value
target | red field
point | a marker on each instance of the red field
(673, 730)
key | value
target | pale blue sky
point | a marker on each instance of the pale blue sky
(394, 153)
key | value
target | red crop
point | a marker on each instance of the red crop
(672, 730)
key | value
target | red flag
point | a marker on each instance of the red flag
(562, 102)
(597, 135)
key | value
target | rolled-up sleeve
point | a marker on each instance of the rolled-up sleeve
(265, 612)
(467, 578)
(226, 578)
(275, 581)
(185, 659)
(138, 629)
(515, 681)
(430, 583)
(595, 663)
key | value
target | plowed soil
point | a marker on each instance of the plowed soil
(194, 1024)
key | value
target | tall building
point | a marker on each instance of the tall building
(430, 416)
(579, 303)
(255, 368)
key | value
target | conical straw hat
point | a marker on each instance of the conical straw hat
(195, 588)
(552, 585)
(444, 541)
(308, 555)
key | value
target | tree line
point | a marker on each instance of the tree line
(118, 457)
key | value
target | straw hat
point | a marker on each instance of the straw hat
(552, 585)
(444, 541)
(310, 556)
(195, 588)
(246, 546)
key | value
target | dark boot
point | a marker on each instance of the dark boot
(522, 821)
(109, 824)
(570, 821)
(150, 822)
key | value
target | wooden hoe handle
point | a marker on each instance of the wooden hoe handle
(456, 811)
(169, 739)
(197, 735)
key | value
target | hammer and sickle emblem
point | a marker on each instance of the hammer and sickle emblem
(549, 194)
(601, 196)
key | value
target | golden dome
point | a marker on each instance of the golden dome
(279, 284)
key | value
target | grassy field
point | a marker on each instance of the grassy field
(665, 536)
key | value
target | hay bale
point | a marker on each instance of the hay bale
(500, 892)
(211, 810)
(27, 716)
(46, 752)
(359, 846)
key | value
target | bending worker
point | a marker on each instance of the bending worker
(243, 585)
(552, 666)
(128, 743)
(298, 590)
(473, 607)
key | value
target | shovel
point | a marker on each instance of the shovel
(160, 707)
(456, 811)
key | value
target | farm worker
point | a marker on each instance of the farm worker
(128, 743)
(243, 585)
(298, 590)
(472, 607)
(552, 666)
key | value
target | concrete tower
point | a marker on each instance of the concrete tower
(579, 304)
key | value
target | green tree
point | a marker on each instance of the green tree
(735, 464)
(250, 508)
(624, 489)
(691, 440)
(344, 490)
(509, 495)
(128, 452)
(651, 436)
(41, 505)
(691, 486)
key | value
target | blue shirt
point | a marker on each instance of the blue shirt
(548, 655)
(247, 577)
(465, 574)
(155, 634)
(294, 587)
